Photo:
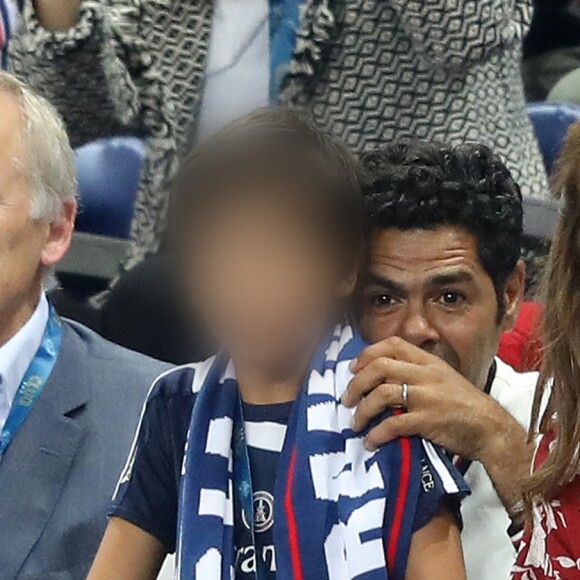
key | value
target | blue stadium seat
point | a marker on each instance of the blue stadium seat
(108, 174)
(551, 122)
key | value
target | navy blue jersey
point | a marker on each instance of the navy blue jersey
(147, 494)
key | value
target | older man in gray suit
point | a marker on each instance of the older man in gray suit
(69, 400)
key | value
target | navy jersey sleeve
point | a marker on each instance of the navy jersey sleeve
(442, 486)
(147, 493)
(420, 481)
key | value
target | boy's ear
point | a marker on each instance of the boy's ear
(347, 285)
(194, 296)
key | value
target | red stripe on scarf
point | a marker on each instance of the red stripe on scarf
(291, 519)
(400, 505)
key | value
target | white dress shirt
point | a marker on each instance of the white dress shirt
(17, 354)
(237, 78)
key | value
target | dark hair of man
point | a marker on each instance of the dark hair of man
(412, 185)
(272, 151)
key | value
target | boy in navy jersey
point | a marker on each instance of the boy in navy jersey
(246, 464)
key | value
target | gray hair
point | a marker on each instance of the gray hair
(48, 162)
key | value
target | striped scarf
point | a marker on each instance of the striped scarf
(341, 512)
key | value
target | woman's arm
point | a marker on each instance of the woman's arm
(57, 15)
(73, 58)
(436, 552)
(127, 553)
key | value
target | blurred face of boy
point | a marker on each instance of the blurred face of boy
(266, 279)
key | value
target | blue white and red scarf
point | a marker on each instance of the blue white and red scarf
(342, 512)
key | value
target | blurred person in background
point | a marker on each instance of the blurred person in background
(551, 545)
(69, 400)
(443, 280)
(552, 49)
(369, 71)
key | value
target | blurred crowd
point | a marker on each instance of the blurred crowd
(300, 164)
(551, 52)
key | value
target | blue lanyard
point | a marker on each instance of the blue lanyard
(34, 380)
(243, 486)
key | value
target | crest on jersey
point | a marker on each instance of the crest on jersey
(263, 512)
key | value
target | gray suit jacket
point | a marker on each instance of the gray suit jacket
(58, 475)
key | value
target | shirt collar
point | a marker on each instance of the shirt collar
(17, 354)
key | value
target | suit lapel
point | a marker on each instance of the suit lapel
(36, 466)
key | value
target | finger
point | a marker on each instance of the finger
(383, 397)
(394, 427)
(382, 370)
(395, 348)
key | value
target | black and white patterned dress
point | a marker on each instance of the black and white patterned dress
(369, 70)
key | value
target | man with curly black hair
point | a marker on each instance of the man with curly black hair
(444, 280)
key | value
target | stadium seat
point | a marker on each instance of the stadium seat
(108, 174)
(551, 122)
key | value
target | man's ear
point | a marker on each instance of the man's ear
(59, 235)
(514, 296)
